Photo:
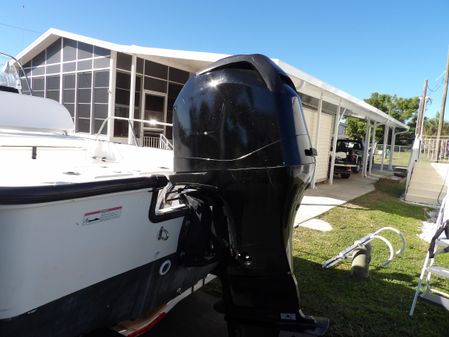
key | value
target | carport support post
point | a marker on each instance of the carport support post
(384, 150)
(373, 143)
(334, 145)
(365, 150)
(111, 94)
(317, 132)
(132, 98)
(393, 140)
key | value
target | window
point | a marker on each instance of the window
(173, 92)
(100, 100)
(38, 71)
(100, 111)
(84, 100)
(179, 76)
(53, 82)
(156, 70)
(84, 65)
(24, 85)
(155, 84)
(83, 125)
(154, 107)
(69, 50)
(123, 80)
(39, 60)
(68, 67)
(27, 71)
(101, 62)
(121, 127)
(52, 87)
(69, 81)
(38, 85)
(84, 50)
(98, 51)
(53, 69)
(139, 66)
(122, 95)
(66, 71)
(54, 52)
(124, 61)
(68, 93)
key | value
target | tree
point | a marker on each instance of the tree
(402, 109)
(431, 126)
(355, 128)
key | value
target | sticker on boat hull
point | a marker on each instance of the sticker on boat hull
(102, 215)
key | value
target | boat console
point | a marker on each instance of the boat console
(241, 145)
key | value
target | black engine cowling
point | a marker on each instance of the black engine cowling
(240, 140)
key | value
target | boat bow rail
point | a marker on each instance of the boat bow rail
(160, 142)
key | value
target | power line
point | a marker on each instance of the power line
(438, 82)
(20, 28)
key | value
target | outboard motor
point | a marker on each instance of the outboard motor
(241, 143)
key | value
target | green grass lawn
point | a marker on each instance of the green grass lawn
(379, 305)
(399, 158)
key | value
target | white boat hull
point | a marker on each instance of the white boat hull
(49, 250)
(87, 261)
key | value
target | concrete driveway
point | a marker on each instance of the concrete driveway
(325, 197)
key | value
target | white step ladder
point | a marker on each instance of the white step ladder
(437, 246)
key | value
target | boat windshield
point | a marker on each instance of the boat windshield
(10, 68)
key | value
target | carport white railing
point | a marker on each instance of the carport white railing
(430, 145)
(430, 149)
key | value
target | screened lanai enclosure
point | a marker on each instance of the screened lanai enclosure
(94, 83)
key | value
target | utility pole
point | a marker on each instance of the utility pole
(443, 105)
(422, 108)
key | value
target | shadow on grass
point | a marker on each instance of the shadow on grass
(374, 307)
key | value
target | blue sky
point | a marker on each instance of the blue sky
(358, 46)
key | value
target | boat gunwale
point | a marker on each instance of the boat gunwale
(14, 195)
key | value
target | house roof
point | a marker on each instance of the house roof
(194, 61)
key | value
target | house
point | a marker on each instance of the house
(126, 92)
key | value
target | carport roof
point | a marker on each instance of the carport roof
(193, 61)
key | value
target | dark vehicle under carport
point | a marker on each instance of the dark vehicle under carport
(348, 158)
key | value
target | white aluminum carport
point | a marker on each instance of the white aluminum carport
(347, 105)
(191, 61)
